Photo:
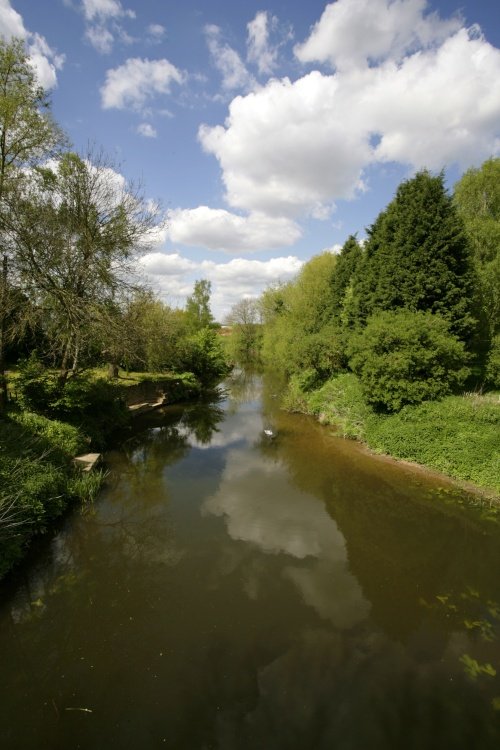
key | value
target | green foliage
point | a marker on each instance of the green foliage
(85, 486)
(457, 436)
(36, 478)
(245, 341)
(474, 669)
(418, 257)
(36, 386)
(154, 331)
(347, 264)
(300, 328)
(203, 354)
(340, 402)
(52, 433)
(405, 357)
(477, 197)
(493, 364)
(94, 405)
(76, 232)
(198, 313)
(298, 388)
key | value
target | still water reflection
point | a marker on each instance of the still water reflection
(232, 591)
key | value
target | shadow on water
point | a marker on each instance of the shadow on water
(234, 591)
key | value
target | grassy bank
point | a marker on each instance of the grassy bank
(457, 435)
(37, 478)
(46, 428)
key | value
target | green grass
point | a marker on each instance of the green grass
(129, 379)
(37, 479)
(458, 435)
(340, 402)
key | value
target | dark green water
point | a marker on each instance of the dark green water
(231, 591)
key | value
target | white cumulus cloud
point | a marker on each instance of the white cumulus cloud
(11, 22)
(439, 107)
(163, 264)
(218, 229)
(242, 278)
(290, 148)
(138, 80)
(45, 61)
(353, 32)
(173, 276)
(427, 94)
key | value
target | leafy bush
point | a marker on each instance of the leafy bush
(203, 354)
(36, 387)
(404, 357)
(94, 405)
(340, 402)
(458, 436)
(493, 364)
(52, 434)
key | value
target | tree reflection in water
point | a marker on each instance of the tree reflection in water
(232, 592)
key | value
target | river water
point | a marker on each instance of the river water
(232, 591)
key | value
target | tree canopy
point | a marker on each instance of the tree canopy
(477, 197)
(418, 257)
(198, 313)
(28, 135)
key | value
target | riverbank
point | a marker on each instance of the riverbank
(456, 436)
(38, 477)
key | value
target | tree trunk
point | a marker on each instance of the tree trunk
(64, 369)
(3, 332)
(112, 370)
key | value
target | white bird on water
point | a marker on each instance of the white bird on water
(269, 433)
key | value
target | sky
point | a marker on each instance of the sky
(268, 131)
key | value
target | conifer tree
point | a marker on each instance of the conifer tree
(418, 258)
(345, 268)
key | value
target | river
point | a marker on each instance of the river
(233, 591)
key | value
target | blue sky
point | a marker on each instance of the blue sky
(268, 131)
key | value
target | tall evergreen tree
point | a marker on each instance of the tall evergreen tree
(418, 258)
(346, 266)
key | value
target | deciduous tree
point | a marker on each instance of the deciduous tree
(28, 135)
(76, 233)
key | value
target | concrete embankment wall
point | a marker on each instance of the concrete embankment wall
(158, 392)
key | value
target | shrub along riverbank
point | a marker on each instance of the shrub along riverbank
(457, 435)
